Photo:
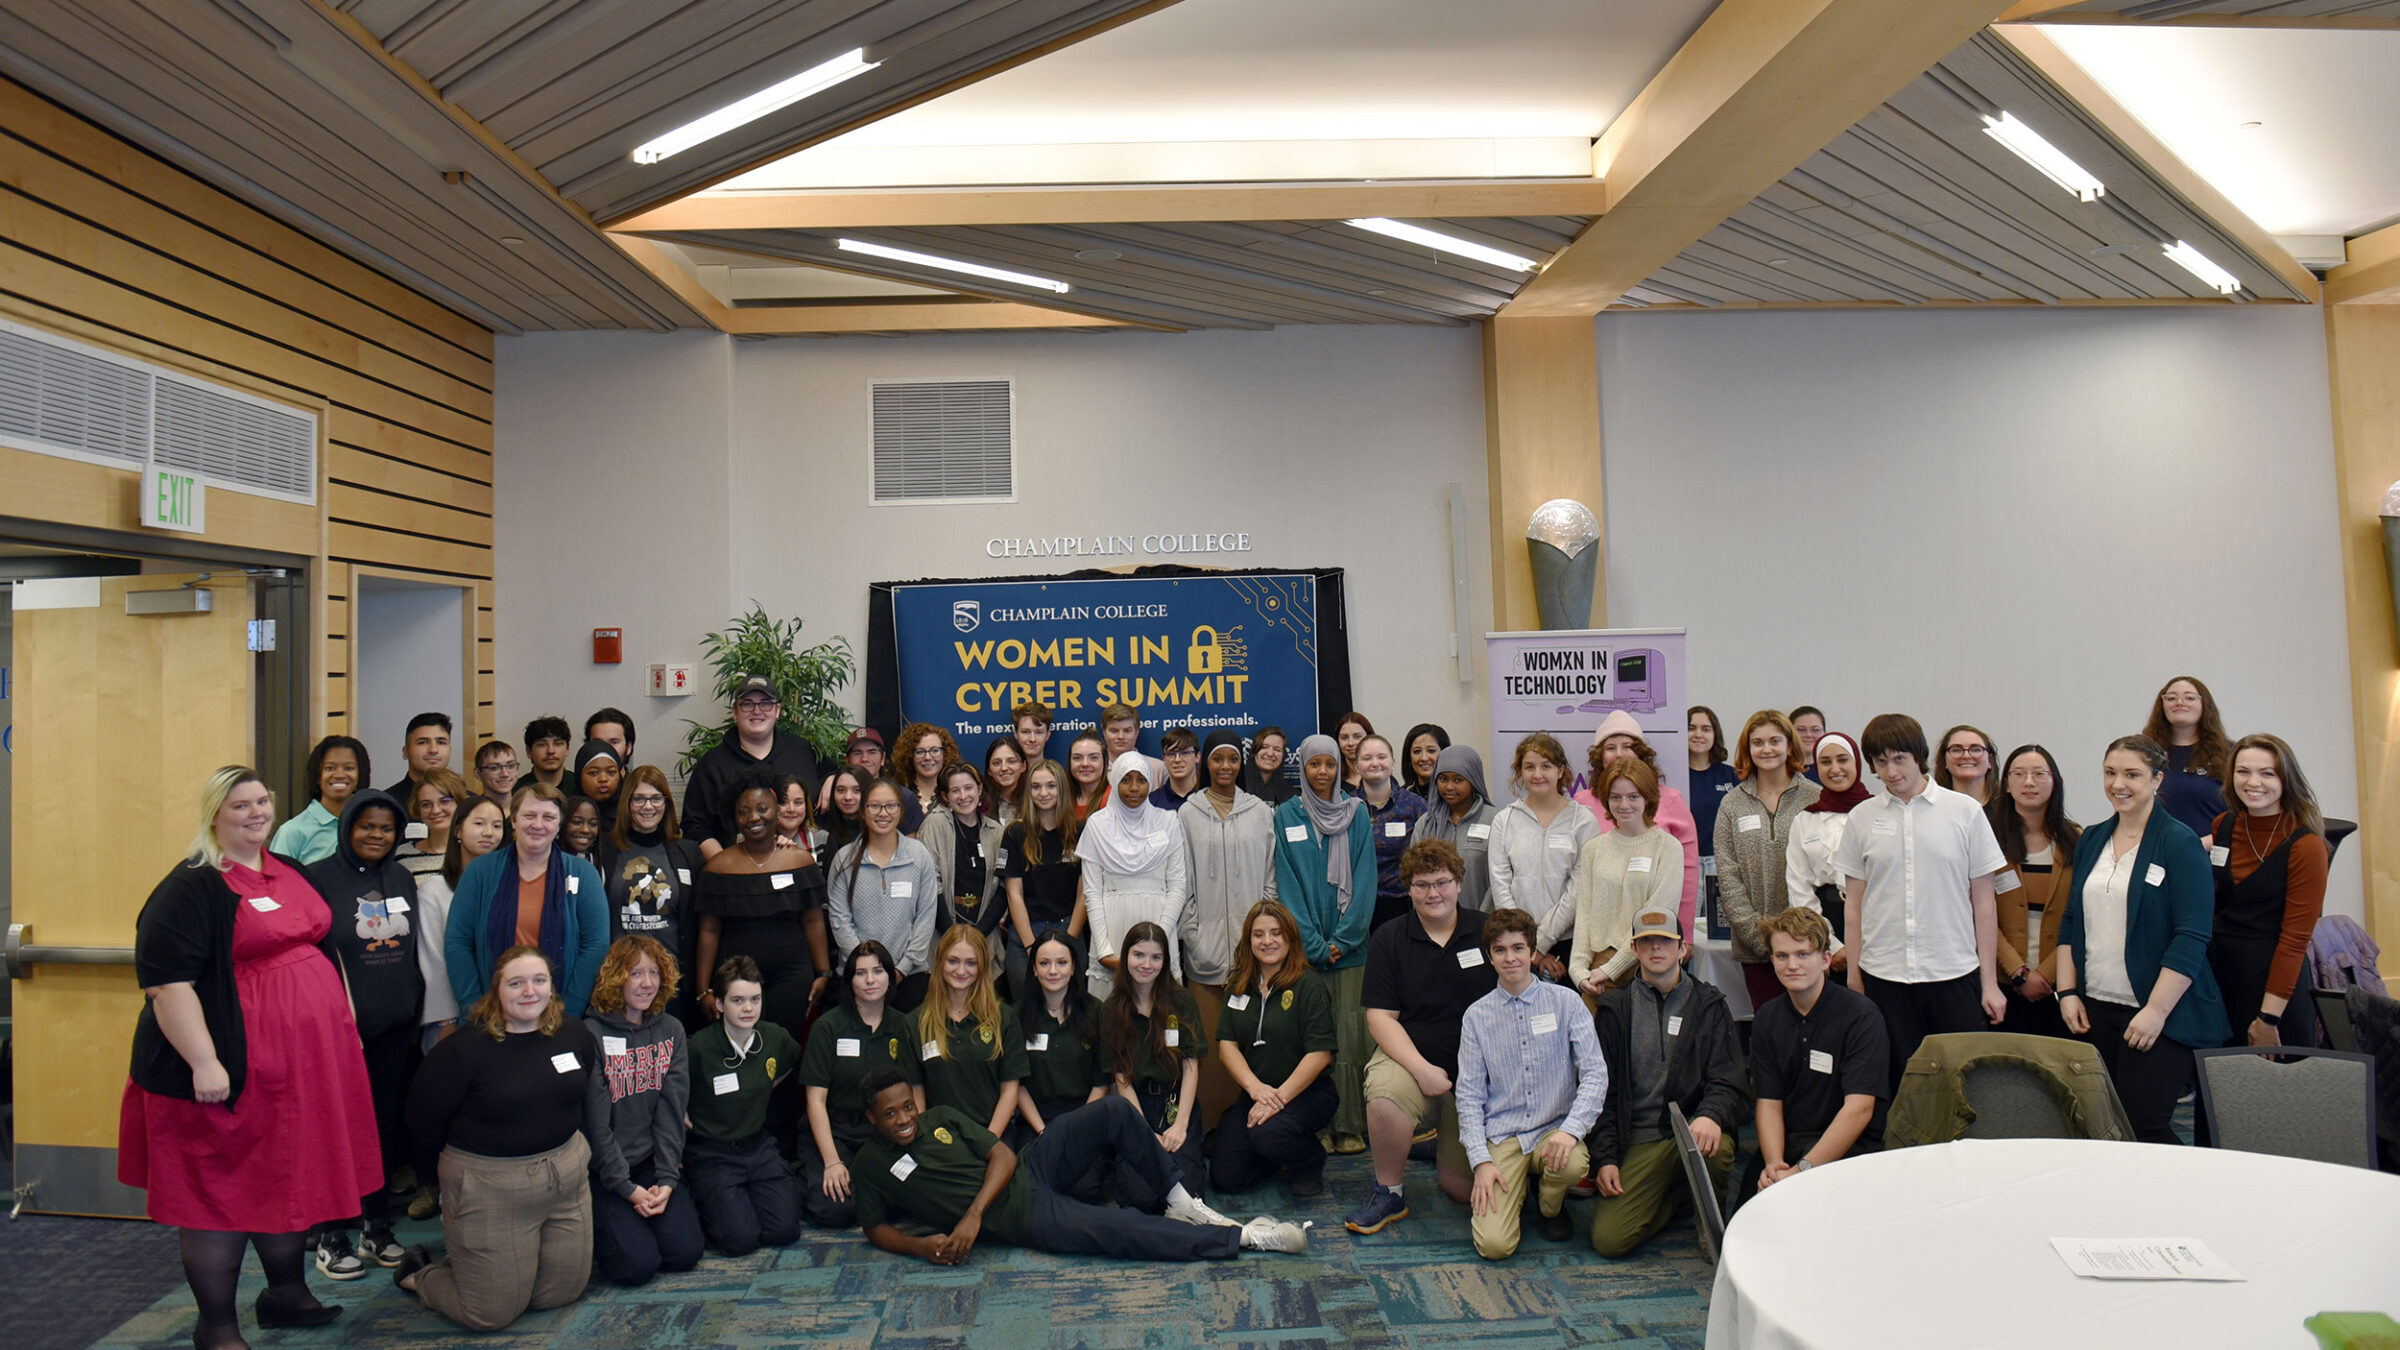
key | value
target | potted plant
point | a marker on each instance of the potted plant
(805, 677)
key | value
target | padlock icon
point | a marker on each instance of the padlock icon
(1207, 657)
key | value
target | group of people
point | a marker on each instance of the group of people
(585, 1027)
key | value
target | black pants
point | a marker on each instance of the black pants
(630, 1248)
(1020, 1136)
(1063, 1224)
(2148, 1081)
(746, 1198)
(1912, 1012)
(820, 1209)
(1241, 1155)
(1183, 1165)
(2032, 1017)
(392, 1058)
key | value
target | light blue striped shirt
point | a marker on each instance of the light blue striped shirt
(1528, 1064)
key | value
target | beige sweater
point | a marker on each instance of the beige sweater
(1616, 880)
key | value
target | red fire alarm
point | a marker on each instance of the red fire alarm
(608, 646)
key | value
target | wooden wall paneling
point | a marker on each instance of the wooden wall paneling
(1541, 398)
(2363, 351)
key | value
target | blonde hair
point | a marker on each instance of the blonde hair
(205, 848)
(983, 1001)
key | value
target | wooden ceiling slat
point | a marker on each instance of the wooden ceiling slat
(1345, 251)
(1170, 249)
(1197, 284)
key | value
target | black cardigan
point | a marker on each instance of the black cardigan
(185, 936)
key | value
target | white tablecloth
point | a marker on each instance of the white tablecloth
(1949, 1246)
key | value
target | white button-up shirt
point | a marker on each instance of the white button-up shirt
(1915, 924)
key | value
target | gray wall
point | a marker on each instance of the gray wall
(409, 658)
(2025, 521)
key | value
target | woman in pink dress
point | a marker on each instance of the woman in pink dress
(246, 1116)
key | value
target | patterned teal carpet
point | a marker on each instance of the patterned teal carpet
(1418, 1283)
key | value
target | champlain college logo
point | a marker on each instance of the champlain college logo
(966, 615)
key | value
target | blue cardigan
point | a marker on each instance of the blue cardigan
(2166, 925)
(481, 884)
(1300, 883)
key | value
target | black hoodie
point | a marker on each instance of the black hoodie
(373, 939)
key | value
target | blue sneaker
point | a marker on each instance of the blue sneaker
(1383, 1209)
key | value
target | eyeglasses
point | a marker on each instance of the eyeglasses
(501, 766)
(929, 752)
(1183, 754)
(1969, 751)
(758, 704)
(648, 799)
(884, 808)
(1433, 887)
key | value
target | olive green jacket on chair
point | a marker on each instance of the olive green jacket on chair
(1930, 1105)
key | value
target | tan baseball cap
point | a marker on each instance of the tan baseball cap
(1656, 923)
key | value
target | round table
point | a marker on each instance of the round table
(1949, 1246)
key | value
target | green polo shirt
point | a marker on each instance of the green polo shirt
(729, 1099)
(1182, 1029)
(936, 1177)
(1276, 1031)
(1063, 1065)
(970, 1075)
(842, 1052)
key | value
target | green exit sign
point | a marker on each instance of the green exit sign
(174, 501)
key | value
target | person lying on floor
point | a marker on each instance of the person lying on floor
(947, 1171)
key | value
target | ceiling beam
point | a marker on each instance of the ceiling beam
(2152, 153)
(2372, 276)
(1761, 86)
(872, 314)
(1109, 205)
(2048, 11)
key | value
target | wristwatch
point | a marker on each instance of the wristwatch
(2271, 1019)
(2017, 981)
(1802, 1165)
(2075, 994)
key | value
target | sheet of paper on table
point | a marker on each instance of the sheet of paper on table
(2168, 1258)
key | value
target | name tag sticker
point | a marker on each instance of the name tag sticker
(574, 884)
(931, 1050)
(1675, 1026)
(1479, 831)
(2157, 875)
(1545, 1023)
(902, 890)
(395, 905)
(2007, 881)
(845, 1047)
(612, 1045)
(727, 1083)
(1239, 1003)
(904, 1166)
(1042, 1042)
(1748, 824)
(1174, 1038)
(1003, 855)
(1637, 864)
(1563, 845)
(264, 904)
(1820, 1061)
(1469, 959)
(780, 881)
(417, 829)
(1395, 829)
(1885, 826)
(684, 875)
(1297, 834)
(565, 1063)
(2220, 856)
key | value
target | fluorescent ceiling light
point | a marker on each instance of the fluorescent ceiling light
(2041, 154)
(1445, 243)
(951, 265)
(849, 64)
(2192, 260)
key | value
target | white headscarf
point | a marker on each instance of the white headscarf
(1129, 840)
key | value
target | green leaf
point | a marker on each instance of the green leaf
(806, 678)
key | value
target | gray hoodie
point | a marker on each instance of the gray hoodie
(1471, 836)
(646, 1083)
(1229, 865)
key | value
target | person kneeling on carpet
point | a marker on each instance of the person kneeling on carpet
(947, 1171)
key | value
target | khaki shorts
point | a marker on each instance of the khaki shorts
(1387, 1081)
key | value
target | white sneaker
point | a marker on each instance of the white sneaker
(335, 1259)
(1192, 1209)
(1269, 1234)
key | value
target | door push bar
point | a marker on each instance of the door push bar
(21, 954)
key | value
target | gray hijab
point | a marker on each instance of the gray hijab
(1331, 816)
(1463, 761)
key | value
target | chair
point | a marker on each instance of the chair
(2291, 1102)
(2333, 1014)
(2011, 1101)
(1708, 1214)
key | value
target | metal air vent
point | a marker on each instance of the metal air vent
(944, 441)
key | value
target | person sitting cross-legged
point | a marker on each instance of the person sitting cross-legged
(1530, 1083)
(1824, 1070)
(1667, 1037)
(945, 1170)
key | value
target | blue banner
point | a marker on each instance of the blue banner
(1236, 652)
